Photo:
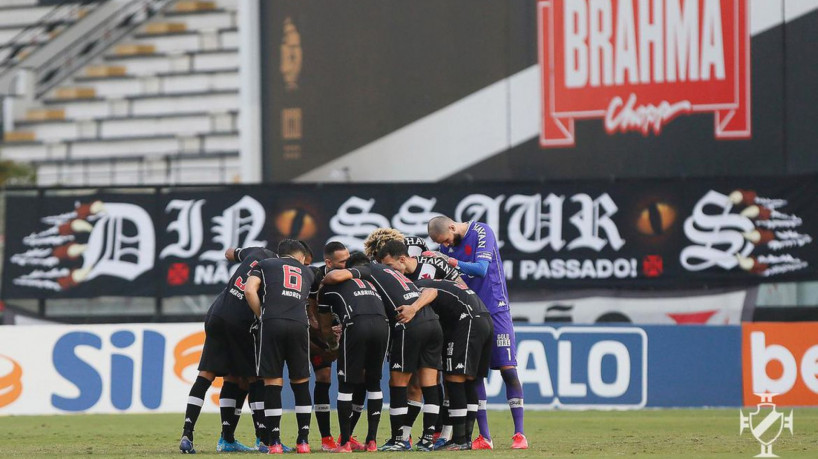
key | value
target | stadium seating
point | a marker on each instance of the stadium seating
(164, 96)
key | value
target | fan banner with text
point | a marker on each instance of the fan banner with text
(628, 233)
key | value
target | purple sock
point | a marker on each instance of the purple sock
(514, 394)
(482, 418)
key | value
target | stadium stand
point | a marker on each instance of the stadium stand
(158, 106)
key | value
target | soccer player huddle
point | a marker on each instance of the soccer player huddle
(439, 320)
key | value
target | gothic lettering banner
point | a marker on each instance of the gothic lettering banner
(629, 234)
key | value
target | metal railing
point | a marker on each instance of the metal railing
(63, 14)
(50, 64)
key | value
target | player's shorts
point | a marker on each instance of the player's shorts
(418, 346)
(504, 344)
(228, 349)
(319, 360)
(362, 348)
(468, 347)
(283, 341)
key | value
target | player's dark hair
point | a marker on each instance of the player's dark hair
(307, 249)
(357, 258)
(291, 247)
(394, 249)
(332, 247)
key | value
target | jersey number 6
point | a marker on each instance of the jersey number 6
(292, 277)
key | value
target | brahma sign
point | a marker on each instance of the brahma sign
(638, 64)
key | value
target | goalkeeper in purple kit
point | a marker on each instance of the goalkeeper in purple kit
(472, 248)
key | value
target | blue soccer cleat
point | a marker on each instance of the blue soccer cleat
(440, 443)
(260, 446)
(186, 446)
(232, 447)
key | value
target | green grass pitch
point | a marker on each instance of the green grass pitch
(650, 433)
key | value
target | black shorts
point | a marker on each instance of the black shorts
(418, 346)
(468, 347)
(283, 341)
(228, 349)
(320, 355)
(362, 348)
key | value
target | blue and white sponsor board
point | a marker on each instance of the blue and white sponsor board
(133, 368)
(625, 367)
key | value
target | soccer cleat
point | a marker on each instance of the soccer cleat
(302, 448)
(286, 448)
(371, 446)
(452, 446)
(328, 443)
(518, 441)
(435, 436)
(393, 445)
(260, 446)
(354, 444)
(275, 449)
(440, 443)
(481, 443)
(186, 446)
(341, 448)
(234, 447)
(425, 445)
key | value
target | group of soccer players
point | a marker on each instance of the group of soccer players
(431, 316)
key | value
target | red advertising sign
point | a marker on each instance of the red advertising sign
(638, 64)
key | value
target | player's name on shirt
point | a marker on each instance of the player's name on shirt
(291, 293)
(366, 292)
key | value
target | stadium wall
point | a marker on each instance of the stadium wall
(462, 90)
(135, 368)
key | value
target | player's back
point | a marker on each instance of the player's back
(415, 245)
(395, 290)
(230, 305)
(285, 289)
(351, 299)
(453, 300)
(433, 268)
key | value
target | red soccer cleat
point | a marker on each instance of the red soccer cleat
(518, 441)
(328, 444)
(371, 446)
(302, 448)
(275, 449)
(356, 445)
(481, 443)
(435, 436)
(342, 448)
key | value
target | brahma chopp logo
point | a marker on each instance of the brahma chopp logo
(640, 64)
(11, 380)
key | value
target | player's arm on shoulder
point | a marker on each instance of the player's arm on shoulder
(233, 254)
(407, 312)
(336, 276)
(251, 293)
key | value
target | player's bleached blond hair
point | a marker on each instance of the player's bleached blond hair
(378, 238)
